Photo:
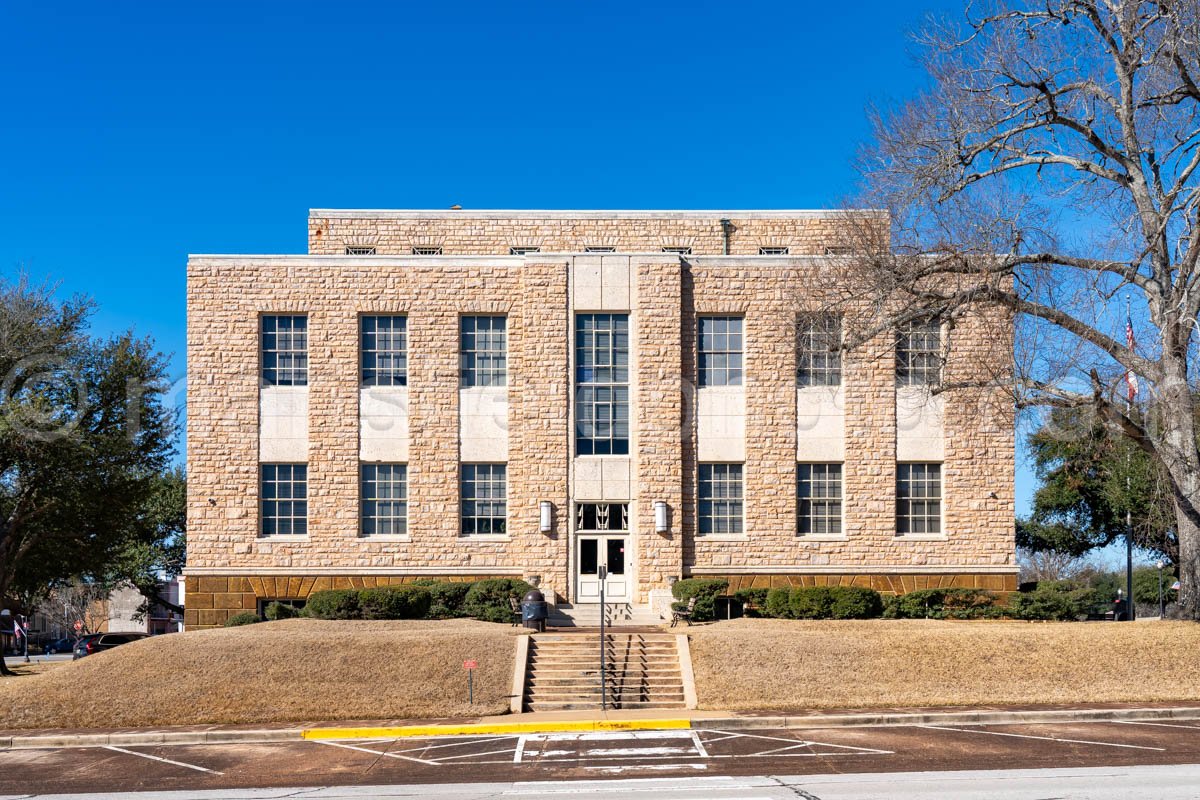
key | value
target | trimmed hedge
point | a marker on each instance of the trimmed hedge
(1055, 600)
(243, 618)
(276, 610)
(334, 604)
(705, 590)
(754, 601)
(447, 599)
(489, 599)
(394, 602)
(949, 603)
(855, 602)
(810, 602)
(779, 603)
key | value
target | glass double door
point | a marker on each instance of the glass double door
(603, 554)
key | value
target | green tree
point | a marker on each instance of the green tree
(155, 545)
(1091, 478)
(84, 439)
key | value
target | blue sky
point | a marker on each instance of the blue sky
(133, 134)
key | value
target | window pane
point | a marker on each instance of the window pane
(284, 350)
(589, 552)
(384, 345)
(720, 351)
(720, 498)
(283, 493)
(615, 553)
(918, 498)
(384, 489)
(919, 354)
(602, 384)
(483, 351)
(484, 496)
(818, 353)
(819, 496)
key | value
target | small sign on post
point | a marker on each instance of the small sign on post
(470, 665)
(78, 624)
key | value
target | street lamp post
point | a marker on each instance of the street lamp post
(1160, 566)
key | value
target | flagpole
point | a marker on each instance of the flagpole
(1128, 478)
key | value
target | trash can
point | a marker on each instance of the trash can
(534, 610)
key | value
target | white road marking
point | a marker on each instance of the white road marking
(639, 751)
(614, 736)
(163, 760)
(1043, 738)
(1158, 724)
(716, 782)
(643, 767)
(448, 744)
(698, 745)
(520, 751)
(795, 742)
(373, 752)
(444, 759)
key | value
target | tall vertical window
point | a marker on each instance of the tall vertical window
(720, 351)
(284, 350)
(819, 492)
(384, 351)
(918, 498)
(919, 354)
(601, 384)
(384, 492)
(484, 498)
(483, 351)
(720, 496)
(818, 350)
(283, 499)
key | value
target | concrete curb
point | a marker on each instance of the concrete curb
(279, 735)
(149, 739)
(545, 726)
(949, 718)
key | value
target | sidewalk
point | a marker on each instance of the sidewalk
(589, 721)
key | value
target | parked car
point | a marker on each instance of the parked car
(64, 645)
(90, 645)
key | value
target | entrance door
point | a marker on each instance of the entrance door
(609, 552)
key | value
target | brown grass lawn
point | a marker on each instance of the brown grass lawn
(783, 664)
(292, 670)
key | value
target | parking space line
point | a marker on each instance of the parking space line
(375, 752)
(1043, 738)
(444, 759)
(800, 742)
(450, 744)
(699, 746)
(1158, 724)
(163, 760)
(520, 751)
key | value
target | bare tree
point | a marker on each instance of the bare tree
(1049, 172)
(77, 601)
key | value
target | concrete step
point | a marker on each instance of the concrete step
(554, 706)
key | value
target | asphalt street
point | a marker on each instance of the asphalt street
(1126, 759)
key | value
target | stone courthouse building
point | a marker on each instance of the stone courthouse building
(540, 394)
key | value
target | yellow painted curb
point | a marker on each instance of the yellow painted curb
(497, 727)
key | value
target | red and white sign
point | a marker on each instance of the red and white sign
(78, 624)
(470, 664)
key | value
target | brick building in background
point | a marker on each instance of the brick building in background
(536, 394)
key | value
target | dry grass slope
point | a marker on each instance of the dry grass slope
(293, 670)
(778, 664)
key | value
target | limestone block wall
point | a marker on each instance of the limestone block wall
(977, 430)
(226, 298)
(330, 231)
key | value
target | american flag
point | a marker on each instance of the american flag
(1131, 381)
